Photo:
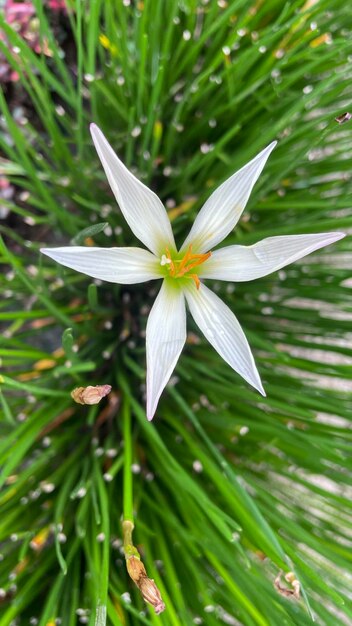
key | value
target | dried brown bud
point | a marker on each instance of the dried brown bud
(90, 394)
(345, 117)
(146, 586)
(285, 591)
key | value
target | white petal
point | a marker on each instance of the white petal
(141, 207)
(116, 265)
(224, 332)
(241, 263)
(166, 336)
(222, 210)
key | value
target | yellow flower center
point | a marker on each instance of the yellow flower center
(182, 268)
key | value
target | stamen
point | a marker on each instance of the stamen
(185, 260)
(195, 277)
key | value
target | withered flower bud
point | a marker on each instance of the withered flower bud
(151, 594)
(146, 586)
(285, 591)
(90, 394)
(137, 572)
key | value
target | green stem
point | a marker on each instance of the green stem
(128, 547)
(127, 524)
(127, 472)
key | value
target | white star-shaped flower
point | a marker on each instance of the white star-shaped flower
(184, 270)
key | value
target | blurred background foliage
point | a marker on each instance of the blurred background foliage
(228, 488)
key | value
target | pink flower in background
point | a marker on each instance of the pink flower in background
(57, 5)
(21, 16)
(18, 11)
(6, 194)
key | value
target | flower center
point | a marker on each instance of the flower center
(182, 268)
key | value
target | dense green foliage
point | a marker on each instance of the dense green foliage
(228, 487)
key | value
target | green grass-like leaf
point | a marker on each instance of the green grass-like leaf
(226, 488)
